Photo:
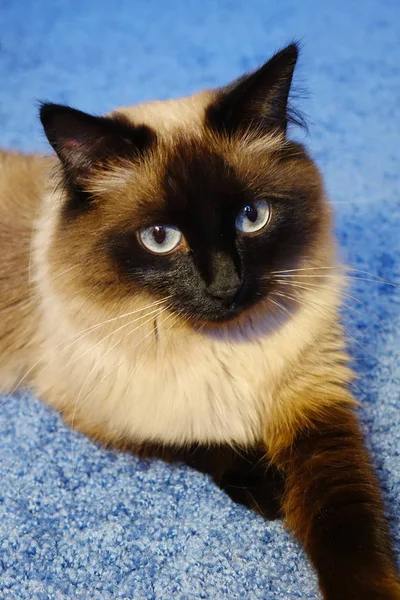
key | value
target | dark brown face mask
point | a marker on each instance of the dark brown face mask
(219, 221)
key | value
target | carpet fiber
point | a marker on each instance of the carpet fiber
(80, 522)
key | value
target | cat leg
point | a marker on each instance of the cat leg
(243, 473)
(252, 481)
(333, 506)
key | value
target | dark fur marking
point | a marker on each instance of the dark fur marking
(327, 493)
(202, 195)
(85, 142)
(333, 505)
(258, 100)
(243, 473)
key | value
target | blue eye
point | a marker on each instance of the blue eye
(253, 217)
(160, 239)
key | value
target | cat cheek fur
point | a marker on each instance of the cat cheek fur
(260, 401)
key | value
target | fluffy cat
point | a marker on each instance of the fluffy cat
(153, 292)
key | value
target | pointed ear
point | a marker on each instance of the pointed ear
(83, 141)
(259, 99)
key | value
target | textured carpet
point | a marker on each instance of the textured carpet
(77, 521)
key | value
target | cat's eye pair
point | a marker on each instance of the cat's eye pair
(162, 239)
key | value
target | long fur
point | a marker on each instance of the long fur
(128, 368)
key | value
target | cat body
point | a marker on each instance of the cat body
(226, 397)
(156, 297)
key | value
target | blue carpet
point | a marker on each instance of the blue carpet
(80, 522)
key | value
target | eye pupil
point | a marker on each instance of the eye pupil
(251, 213)
(159, 234)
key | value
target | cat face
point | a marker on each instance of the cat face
(202, 208)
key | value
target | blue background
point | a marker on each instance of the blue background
(77, 521)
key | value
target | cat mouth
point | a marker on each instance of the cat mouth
(229, 296)
(225, 308)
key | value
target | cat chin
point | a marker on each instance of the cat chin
(256, 321)
(219, 317)
(214, 313)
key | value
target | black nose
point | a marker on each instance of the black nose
(225, 279)
(226, 294)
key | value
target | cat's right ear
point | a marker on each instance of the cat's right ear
(83, 142)
(258, 100)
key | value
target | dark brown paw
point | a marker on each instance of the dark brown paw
(259, 491)
(378, 588)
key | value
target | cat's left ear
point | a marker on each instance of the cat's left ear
(258, 100)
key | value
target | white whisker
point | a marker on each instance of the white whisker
(119, 364)
(110, 334)
(65, 271)
(346, 269)
(77, 337)
(114, 345)
(318, 306)
(278, 304)
(314, 287)
(77, 401)
(31, 249)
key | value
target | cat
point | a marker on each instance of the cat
(153, 292)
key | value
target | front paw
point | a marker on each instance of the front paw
(259, 492)
(376, 588)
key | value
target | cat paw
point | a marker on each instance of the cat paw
(386, 589)
(259, 493)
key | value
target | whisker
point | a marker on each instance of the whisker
(344, 268)
(111, 334)
(65, 271)
(118, 342)
(255, 502)
(31, 248)
(279, 305)
(95, 327)
(332, 268)
(76, 403)
(176, 316)
(314, 286)
(294, 283)
(354, 340)
(119, 364)
(77, 337)
(318, 306)
(349, 277)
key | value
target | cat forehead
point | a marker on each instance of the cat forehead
(188, 117)
(187, 173)
(188, 156)
(186, 148)
(168, 117)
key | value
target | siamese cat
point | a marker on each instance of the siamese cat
(169, 283)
